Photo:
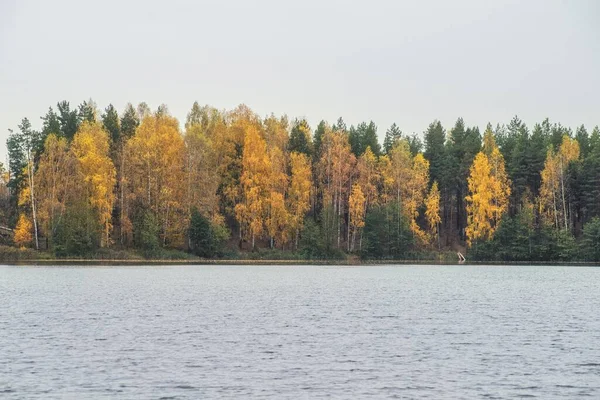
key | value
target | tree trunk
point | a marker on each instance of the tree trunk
(562, 189)
(32, 192)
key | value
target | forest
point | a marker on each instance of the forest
(233, 184)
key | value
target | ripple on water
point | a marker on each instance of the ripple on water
(291, 332)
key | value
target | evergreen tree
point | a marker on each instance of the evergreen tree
(462, 147)
(435, 152)
(392, 135)
(582, 137)
(146, 230)
(415, 144)
(369, 139)
(300, 138)
(202, 238)
(387, 234)
(535, 158)
(589, 247)
(129, 122)
(112, 125)
(518, 169)
(363, 136)
(340, 125)
(88, 111)
(78, 234)
(69, 120)
(50, 125)
(318, 139)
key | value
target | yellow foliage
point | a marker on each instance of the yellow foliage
(502, 186)
(489, 191)
(553, 192)
(406, 179)
(229, 139)
(90, 147)
(336, 168)
(368, 176)
(252, 211)
(56, 183)
(299, 191)
(278, 219)
(23, 231)
(155, 174)
(432, 210)
(202, 171)
(480, 208)
(357, 207)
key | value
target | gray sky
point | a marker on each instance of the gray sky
(389, 61)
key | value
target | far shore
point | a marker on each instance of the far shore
(226, 262)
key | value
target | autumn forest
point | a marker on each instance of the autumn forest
(233, 184)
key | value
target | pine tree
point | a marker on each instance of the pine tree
(392, 135)
(300, 138)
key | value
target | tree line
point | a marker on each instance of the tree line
(235, 181)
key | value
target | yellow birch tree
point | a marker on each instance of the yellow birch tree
(252, 211)
(432, 212)
(554, 190)
(357, 212)
(90, 147)
(299, 192)
(56, 177)
(156, 175)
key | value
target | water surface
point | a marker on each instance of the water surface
(299, 332)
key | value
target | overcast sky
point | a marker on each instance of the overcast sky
(389, 61)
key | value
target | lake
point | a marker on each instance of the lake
(406, 332)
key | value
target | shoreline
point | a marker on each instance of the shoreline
(266, 262)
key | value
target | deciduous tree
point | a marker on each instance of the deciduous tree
(91, 149)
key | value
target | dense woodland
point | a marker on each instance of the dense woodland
(235, 183)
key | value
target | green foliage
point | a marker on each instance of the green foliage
(77, 234)
(87, 111)
(589, 247)
(146, 230)
(462, 146)
(50, 125)
(311, 240)
(415, 144)
(340, 125)
(313, 245)
(392, 135)
(318, 139)
(69, 120)
(206, 240)
(526, 232)
(129, 122)
(300, 138)
(566, 248)
(518, 239)
(435, 151)
(16, 162)
(513, 241)
(21, 147)
(386, 234)
(363, 136)
(11, 253)
(111, 123)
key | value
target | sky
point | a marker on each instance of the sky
(382, 60)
